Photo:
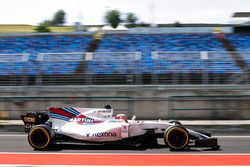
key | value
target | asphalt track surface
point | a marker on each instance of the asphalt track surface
(230, 143)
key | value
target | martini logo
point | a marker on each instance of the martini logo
(81, 119)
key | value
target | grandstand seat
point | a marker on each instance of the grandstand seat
(147, 43)
(219, 61)
(43, 44)
(242, 44)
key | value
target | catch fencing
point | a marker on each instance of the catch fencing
(216, 107)
(125, 68)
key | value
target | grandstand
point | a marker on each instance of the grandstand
(34, 46)
(190, 58)
(175, 44)
(242, 45)
(12, 64)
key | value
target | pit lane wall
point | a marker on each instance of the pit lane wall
(215, 102)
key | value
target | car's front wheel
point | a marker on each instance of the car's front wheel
(177, 138)
(39, 137)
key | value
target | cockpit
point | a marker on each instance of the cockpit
(121, 117)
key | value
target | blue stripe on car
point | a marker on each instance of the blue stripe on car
(68, 110)
(57, 116)
(71, 110)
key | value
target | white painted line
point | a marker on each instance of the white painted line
(215, 122)
(231, 136)
(6, 165)
(13, 135)
(184, 122)
(217, 136)
(149, 154)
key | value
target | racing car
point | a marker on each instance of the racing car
(98, 126)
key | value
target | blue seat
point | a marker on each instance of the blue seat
(43, 44)
(242, 44)
(146, 43)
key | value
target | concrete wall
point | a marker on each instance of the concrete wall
(146, 102)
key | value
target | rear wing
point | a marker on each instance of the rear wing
(31, 119)
(68, 113)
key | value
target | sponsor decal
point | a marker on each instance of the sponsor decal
(81, 119)
(29, 119)
(29, 126)
(125, 131)
(62, 112)
(103, 111)
(104, 134)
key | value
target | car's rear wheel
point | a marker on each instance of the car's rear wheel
(176, 138)
(39, 138)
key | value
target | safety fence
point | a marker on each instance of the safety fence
(212, 107)
(231, 107)
(130, 68)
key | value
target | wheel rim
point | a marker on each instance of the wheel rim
(39, 138)
(177, 138)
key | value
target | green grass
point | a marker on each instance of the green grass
(62, 29)
(9, 28)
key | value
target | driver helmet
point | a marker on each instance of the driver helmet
(121, 117)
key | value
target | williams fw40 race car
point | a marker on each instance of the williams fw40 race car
(71, 125)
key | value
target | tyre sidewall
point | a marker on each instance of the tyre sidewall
(47, 131)
(179, 128)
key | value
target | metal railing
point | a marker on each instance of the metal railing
(216, 107)
(14, 106)
(130, 68)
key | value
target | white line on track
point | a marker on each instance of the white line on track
(227, 136)
(149, 154)
(219, 136)
(13, 135)
(6, 165)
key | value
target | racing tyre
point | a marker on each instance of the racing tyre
(40, 137)
(176, 138)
